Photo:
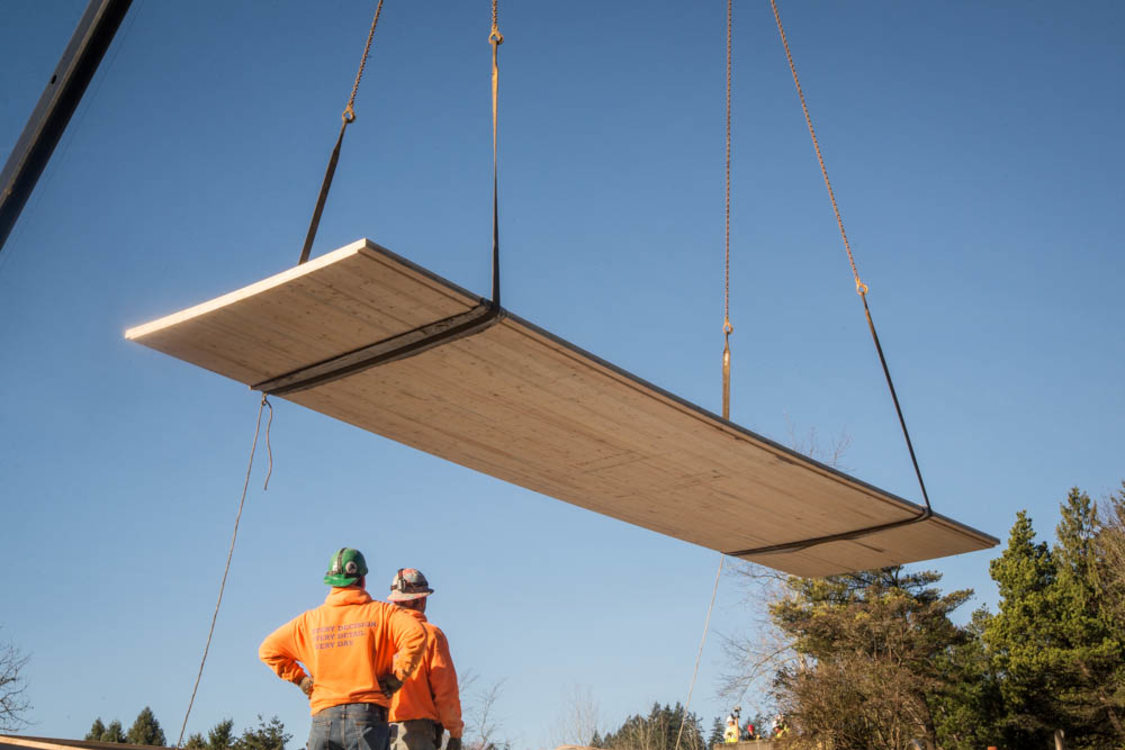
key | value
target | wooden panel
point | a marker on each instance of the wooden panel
(526, 407)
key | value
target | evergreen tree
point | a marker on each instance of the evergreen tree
(221, 736)
(1090, 651)
(113, 732)
(195, 741)
(97, 729)
(1055, 643)
(871, 646)
(657, 731)
(968, 707)
(716, 736)
(1018, 637)
(269, 735)
(145, 730)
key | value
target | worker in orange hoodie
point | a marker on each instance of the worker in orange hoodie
(429, 702)
(357, 653)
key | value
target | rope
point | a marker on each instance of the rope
(230, 553)
(699, 655)
(347, 118)
(861, 289)
(727, 327)
(495, 38)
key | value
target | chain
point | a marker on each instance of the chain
(349, 111)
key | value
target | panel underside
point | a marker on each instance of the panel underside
(519, 404)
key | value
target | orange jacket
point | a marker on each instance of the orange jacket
(431, 692)
(346, 644)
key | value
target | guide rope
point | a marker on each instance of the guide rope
(727, 330)
(702, 641)
(347, 117)
(861, 289)
(230, 552)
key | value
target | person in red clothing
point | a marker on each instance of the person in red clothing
(429, 701)
(357, 653)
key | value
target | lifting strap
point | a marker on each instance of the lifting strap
(495, 38)
(348, 118)
(481, 317)
(861, 289)
(727, 329)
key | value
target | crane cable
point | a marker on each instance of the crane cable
(348, 117)
(230, 552)
(727, 327)
(727, 330)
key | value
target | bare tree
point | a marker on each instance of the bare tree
(579, 722)
(482, 727)
(12, 688)
(757, 656)
(1111, 543)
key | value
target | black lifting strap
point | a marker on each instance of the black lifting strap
(925, 513)
(861, 289)
(348, 118)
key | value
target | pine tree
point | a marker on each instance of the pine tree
(145, 730)
(1090, 652)
(716, 736)
(269, 735)
(870, 647)
(657, 731)
(113, 732)
(221, 736)
(195, 741)
(1017, 635)
(97, 729)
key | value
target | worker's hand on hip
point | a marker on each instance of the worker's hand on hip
(453, 744)
(389, 685)
(306, 686)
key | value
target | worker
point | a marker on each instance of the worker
(357, 651)
(429, 702)
(730, 734)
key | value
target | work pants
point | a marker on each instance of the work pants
(351, 726)
(416, 734)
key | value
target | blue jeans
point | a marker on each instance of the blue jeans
(351, 726)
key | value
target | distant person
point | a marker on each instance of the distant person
(749, 733)
(429, 702)
(359, 652)
(730, 734)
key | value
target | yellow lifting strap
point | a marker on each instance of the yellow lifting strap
(495, 38)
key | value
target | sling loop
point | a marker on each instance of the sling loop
(347, 118)
(495, 38)
(230, 553)
(861, 289)
(728, 329)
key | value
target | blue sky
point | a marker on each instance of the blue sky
(976, 155)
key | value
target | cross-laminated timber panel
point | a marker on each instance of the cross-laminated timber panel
(511, 400)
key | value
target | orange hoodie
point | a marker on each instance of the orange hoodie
(347, 644)
(431, 692)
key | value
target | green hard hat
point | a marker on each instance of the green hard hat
(346, 567)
